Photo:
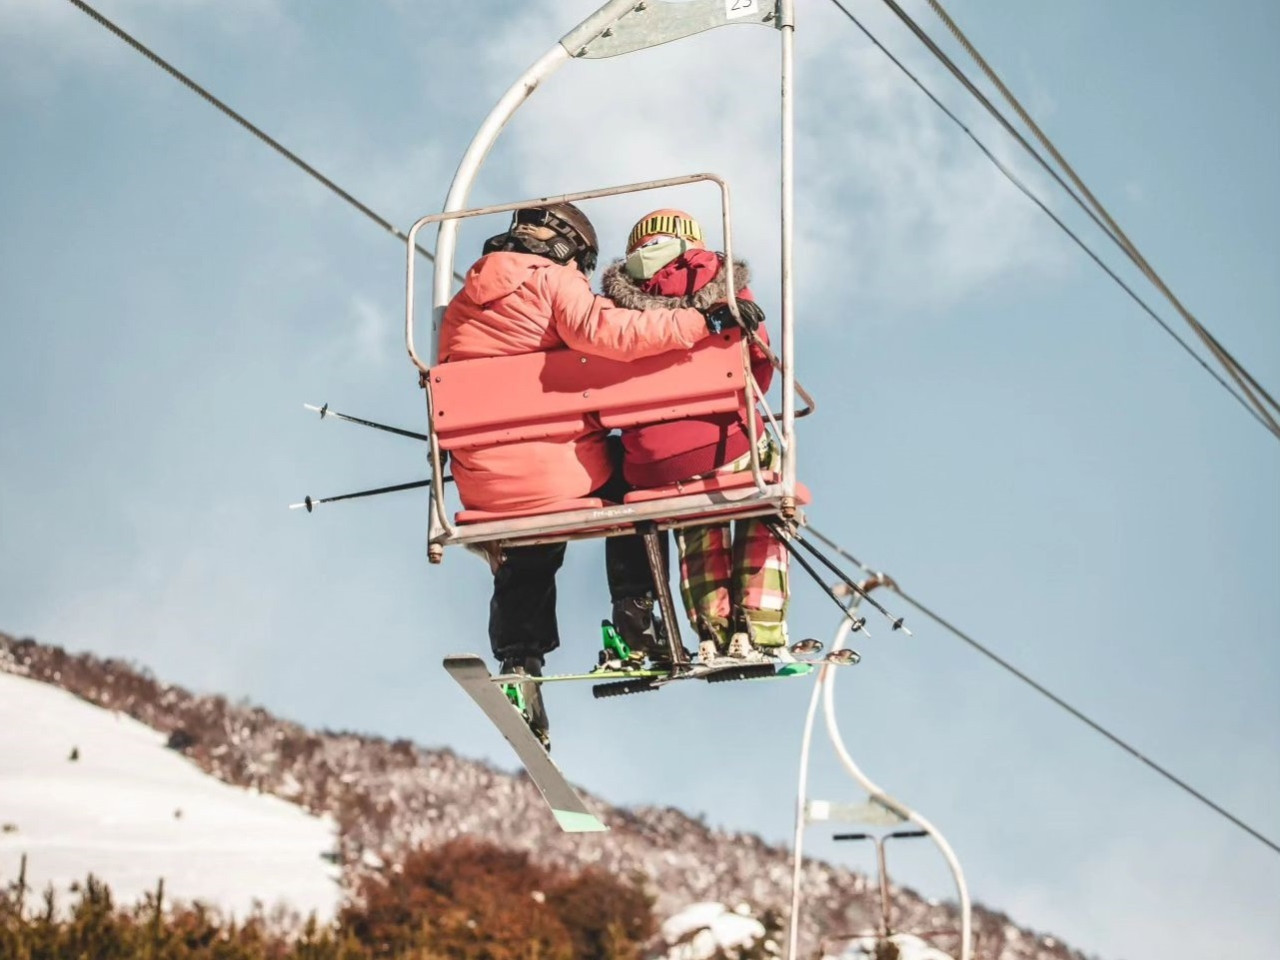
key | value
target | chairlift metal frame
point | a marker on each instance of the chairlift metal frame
(617, 28)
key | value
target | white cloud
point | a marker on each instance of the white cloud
(894, 206)
(372, 332)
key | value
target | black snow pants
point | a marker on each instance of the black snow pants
(522, 612)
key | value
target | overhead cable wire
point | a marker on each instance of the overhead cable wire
(1104, 222)
(891, 584)
(256, 131)
(1093, 208)
(1224, 357)
(1044, 208)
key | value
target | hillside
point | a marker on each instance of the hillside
(389, 797)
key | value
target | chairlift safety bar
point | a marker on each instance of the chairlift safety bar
(454, 215)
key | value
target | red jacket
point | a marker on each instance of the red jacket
(515, 303)
(663, 453)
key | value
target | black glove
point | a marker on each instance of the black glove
(749, 318)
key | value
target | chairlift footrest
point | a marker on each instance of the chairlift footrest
(749, 671)
(621, 688)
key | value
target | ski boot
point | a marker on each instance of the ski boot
(712, 645)
(758, 640)
(527, 697)
(634, 638)
(615, 655)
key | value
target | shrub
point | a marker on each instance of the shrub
(463, 901)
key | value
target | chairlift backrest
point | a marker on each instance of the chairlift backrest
(562, 393)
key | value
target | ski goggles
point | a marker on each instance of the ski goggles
(668, 224)
(535, 217)
(540, 217)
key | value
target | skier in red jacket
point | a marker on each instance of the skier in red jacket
(735, 587)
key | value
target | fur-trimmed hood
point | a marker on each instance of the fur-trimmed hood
(626, 292)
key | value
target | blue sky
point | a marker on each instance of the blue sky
(1000, 427)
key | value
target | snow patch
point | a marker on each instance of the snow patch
(701, 929)
(85, 790)
(908, 948)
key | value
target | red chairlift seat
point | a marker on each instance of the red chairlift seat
(561, 393)
(562, 506)
(727, 481)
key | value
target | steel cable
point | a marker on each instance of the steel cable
(256, 131)
(1044, 208)
(1246, 381)
(1225, 358)
(890, 584)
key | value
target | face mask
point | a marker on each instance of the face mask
(644, 262)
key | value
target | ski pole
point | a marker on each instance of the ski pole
(859, 623)
(326, 412)
(309, 503)
(897, 623)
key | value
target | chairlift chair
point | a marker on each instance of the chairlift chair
(551, 394)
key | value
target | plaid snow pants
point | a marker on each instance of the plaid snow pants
(722, 575)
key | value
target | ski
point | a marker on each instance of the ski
(716, 671)
(638, 674)
(570, 811)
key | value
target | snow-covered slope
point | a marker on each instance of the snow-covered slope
(131, 811)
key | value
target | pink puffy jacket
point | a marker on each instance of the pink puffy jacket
(514, 303)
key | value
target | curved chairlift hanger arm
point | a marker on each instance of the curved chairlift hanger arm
(893, 811)
(881, 798)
